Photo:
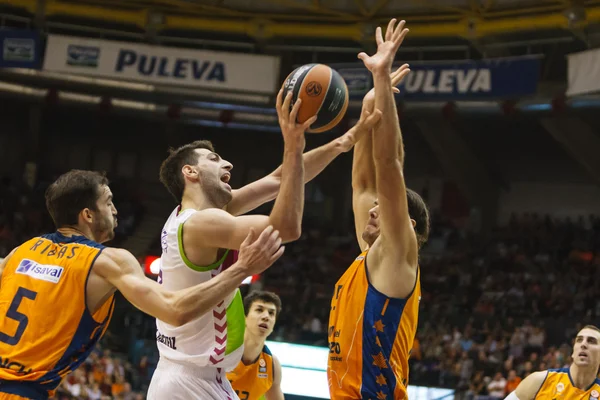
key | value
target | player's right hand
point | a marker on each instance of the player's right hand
(256, 255)
(293, 132)
(382, 60)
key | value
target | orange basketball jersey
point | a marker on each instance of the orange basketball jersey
(251, 382)
(558, 385)
(370, 338)
(46, 330)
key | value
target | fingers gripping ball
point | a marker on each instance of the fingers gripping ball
(323, 92)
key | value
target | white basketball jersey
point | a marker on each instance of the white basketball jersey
(213, 339)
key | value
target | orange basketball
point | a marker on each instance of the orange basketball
(323, 92)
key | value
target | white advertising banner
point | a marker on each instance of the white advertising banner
(162, 65)
(584, 72)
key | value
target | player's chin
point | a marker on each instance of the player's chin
(263, 332)
(370, 234)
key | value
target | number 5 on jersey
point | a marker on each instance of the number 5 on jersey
(14, 314)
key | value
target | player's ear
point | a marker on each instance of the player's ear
(87, 215)
(413, 222)
(189, 172)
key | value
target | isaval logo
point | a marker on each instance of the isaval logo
(18, 49)
(83, 56)
(49, 273)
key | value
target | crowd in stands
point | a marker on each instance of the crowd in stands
(104, 376)
(494, 307)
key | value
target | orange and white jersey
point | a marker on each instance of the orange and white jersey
(370, 338)
(558, 385)
(46, 329)
(252, 381)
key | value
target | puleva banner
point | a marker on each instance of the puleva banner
(163, 65)
(468, 80)
(20, 49)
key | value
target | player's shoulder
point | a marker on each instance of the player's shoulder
(266, 350)
(531, 385)
(112, 260)
(208, 214)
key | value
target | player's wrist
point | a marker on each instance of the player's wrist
(382, 71)
(294, 145)
(239, 271)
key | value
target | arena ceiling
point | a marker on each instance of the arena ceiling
(329, 19)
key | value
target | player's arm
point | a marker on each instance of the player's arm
(364, 188)
(364, 191)
(259, 192)
(266, 189)
(398, 242)
(4, 262)
(216, 228)
(275, 393)
(529, 387)
(121, 269)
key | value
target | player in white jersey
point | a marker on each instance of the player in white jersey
(198, 238)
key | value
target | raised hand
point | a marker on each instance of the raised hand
(256, 255)
(369, 117)
(292, 131)
(386, 49)
(366, 122)
(397, 77)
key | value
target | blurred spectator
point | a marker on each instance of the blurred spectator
(497, 387)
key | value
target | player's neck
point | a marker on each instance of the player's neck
(73, 231)
(196, 200)
(582, 377)
(252, 348)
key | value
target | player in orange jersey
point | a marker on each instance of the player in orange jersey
(375, 305)
(578, 381)
(56, 296)
(258, 374)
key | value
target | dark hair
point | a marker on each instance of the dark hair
(73, 192)
(417, 210)
(170, 169)
(265, 297)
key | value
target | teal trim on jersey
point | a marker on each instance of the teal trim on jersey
(236, 323)
(191, 264)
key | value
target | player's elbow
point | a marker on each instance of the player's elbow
(290, 234)
(179, 318)
(177, 313)
(290, 228)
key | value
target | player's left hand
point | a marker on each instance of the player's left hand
(368, 117)
(397, 77)
(381, 62)
(364, 125)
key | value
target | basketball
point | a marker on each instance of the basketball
(323, 92)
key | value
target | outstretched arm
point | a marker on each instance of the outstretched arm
(257, 193)
(213, 228)
(122, 270)
(397, 243)
(364, 188)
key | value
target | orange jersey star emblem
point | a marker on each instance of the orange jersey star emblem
(381, 395)
(379, 360)
(379, 326)
(381, 380)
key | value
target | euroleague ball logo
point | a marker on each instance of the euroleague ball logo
(314, 89)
